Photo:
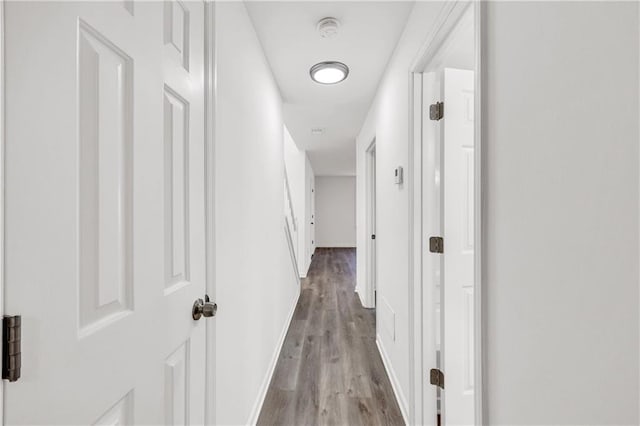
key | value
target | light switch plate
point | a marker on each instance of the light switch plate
(398, 175)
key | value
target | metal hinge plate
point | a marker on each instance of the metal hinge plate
(436, 111)
(11, 351)
(436, 245)
(436, 378)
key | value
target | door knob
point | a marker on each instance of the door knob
(203, 308)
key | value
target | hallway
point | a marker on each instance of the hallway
(329, 370)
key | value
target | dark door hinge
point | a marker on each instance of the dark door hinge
(436, 111)
(436, 377)
(373, 236)
(436, 245)
(11, 351)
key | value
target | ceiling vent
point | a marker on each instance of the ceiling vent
(328, 27)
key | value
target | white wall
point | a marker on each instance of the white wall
(298, 169)
(255, 284)
(561, 210)
(561, 145)
(335, 211)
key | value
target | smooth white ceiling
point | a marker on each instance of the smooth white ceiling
(366, 39)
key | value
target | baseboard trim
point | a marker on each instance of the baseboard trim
(360, 297)
(395, 384)
(257, 406)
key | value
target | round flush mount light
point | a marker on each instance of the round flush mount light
(329, 72)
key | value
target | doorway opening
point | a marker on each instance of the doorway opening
(446, 221)
(371, 269)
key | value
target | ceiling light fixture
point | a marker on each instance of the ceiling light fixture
(329, 72)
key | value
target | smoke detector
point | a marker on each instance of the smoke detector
(328, 27)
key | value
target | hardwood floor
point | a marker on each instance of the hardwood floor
(330, 371)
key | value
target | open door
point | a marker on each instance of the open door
(312, 225)
(105, 211)
(449, 203)
(371, 290)
(458, 257)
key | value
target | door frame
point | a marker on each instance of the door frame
(449, 15)
(2, 183)
(210, 61)
(312, 207)
(368, 297)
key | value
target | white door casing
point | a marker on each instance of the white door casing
(374, 229)
(458, 280)
(431, 177)
(371, 282)
(312, 194)
(106, 210)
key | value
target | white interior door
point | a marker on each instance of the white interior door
(105, 213)
(458, 283)
(312, 184)
(371, 200)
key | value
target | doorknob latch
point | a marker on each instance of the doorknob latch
(203, 308)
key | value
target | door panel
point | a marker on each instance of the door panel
(184, 202)
(458, 143)
(105, 210)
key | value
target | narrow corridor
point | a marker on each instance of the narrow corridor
(330, 370)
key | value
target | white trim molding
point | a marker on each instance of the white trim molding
(480, 224)
(210, 112)
(428, 56)
(367, 295)
(2, 176)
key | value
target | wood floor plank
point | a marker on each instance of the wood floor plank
(304, 302)
(307, 392)
(330, 371)
(285, 377)
(387, 408)
(281, 408)
(292, 346)
(361, 412)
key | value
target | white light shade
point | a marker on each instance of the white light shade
(329, 72)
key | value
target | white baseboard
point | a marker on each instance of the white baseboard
(395, 384)
(360, 297)
(257, 406)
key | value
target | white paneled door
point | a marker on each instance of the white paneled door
(105, 211)
(458, 259)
